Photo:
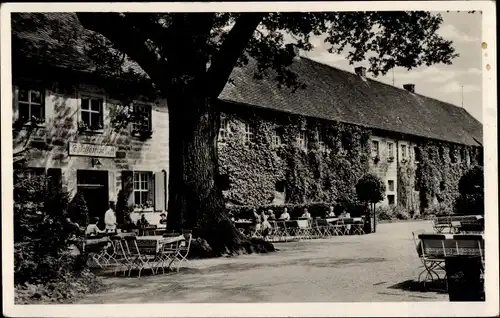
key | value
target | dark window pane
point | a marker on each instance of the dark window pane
(96, 105)
(144, 197)
(86, 118)
(37, 111)
(23, 95)
(24, 111)
(137, 197)
(85, 103)
(36, 97)
(95, 119)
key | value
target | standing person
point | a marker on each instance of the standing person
(256, 221)
(110, 218)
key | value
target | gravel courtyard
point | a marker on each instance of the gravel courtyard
(374, 267)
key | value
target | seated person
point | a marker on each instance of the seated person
(142, 222)
(92, 228)
(129, 225)
(330, 213)
(285, 216)
(271, 215)
(306, 214)
(163, 220)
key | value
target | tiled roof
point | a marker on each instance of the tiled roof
(338, 95)
(330, 93)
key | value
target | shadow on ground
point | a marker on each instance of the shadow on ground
(437, 286)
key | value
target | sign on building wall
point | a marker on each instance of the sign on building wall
(91, 150)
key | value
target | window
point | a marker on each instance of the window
(142, 189)
(302, 139)
(441, 153)
(391, 185)
(30, 103)
(142, 119)
(249, 133)
(375, 149)
(91, 112)
(390, 199)
(453, 156)
(390, 151)
(417, 154)
(321, 143)
(224, 129)
(280, 186)
(403, 151)
(276, 139)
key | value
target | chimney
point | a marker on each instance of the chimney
(409, 87)
(360, 71)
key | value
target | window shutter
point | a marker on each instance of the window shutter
(159, 191)
(128, 185)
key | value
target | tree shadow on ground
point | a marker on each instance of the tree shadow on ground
(437, 286)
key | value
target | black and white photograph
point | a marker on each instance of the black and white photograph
(277, 159)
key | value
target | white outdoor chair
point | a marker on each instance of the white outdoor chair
(182, 251)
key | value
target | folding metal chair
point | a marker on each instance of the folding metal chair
(147, 259)
(470, 244)
(182, 251)
(123, 257)
(431, 251)
(358, 228)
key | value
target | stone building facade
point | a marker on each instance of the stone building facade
(77, 141)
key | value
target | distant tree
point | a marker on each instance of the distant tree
(471, 189)
(188, 59)
(370, 189)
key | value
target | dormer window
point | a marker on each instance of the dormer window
(390, 151)
(403, 152)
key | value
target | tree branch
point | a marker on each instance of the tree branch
(128, 40)
(224, 60)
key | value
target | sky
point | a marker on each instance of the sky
(442, 82)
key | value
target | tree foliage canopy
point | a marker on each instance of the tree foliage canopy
(201, 49)
(370, 189)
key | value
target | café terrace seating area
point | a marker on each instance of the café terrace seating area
(453, 236)
(304, 228)
(147, 249)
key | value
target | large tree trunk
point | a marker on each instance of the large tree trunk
(195, 200)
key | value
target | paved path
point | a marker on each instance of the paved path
(339, 269)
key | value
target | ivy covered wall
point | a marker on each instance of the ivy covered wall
(256, 171)
(439, 170)
(255, 168)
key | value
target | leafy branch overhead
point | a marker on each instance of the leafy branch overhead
(199, 50)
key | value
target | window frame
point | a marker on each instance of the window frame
(404, 152)
(375, 151)
(250, 133)
(90, 97)
(137, 131)
(223, 129)
(149, 191)
(321, 143)
(390, 151)
(29, 103)
(393, 198)
(302, 143)
(276, 139)
(389, 183)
